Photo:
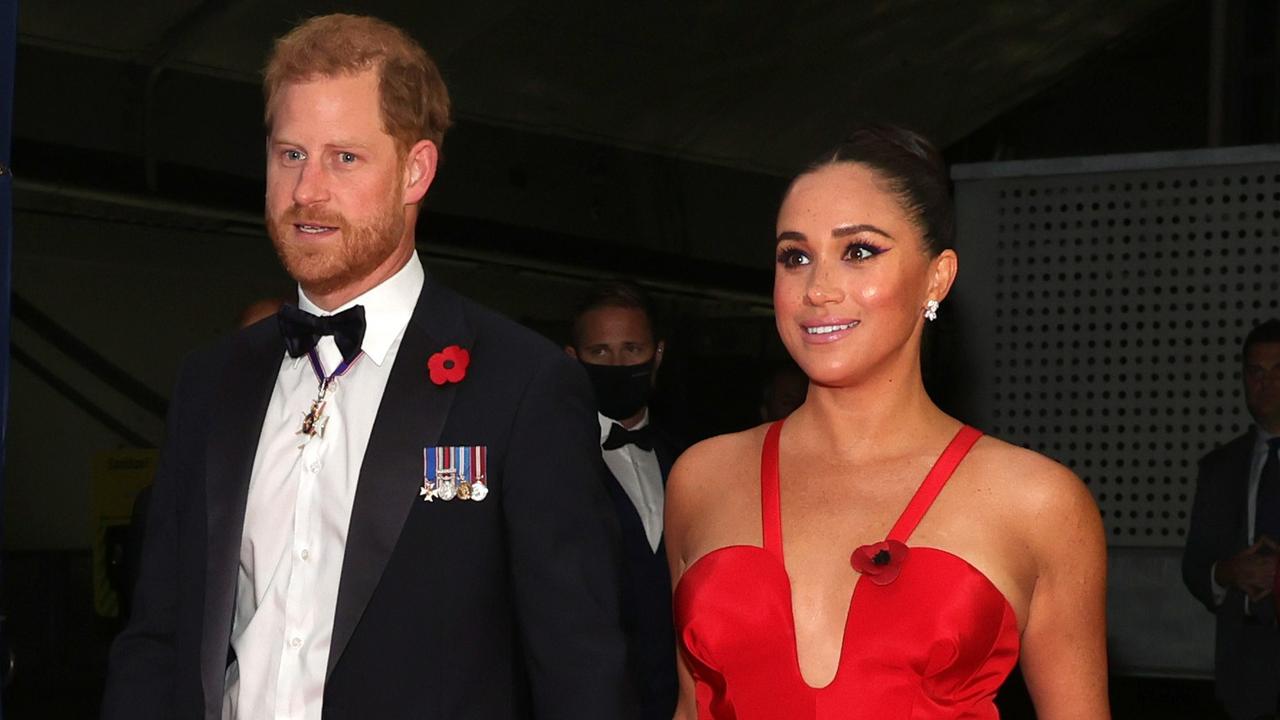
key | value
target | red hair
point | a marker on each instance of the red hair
(414, 102)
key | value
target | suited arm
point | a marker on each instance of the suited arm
(140, 681)
(564, 551)
(1209, 537)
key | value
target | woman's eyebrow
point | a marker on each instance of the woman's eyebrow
(846, 230)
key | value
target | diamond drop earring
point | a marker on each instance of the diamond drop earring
(931, 310)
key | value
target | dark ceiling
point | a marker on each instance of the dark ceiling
(757, 86)
(665, 130)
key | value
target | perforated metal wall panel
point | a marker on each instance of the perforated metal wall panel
(1106, 300)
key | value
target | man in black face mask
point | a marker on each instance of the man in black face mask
(614, 338)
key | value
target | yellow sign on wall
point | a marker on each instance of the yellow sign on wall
(118, 476)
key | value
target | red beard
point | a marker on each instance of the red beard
(328, 265)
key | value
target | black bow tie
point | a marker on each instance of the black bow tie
(619, 436)
(302, 330)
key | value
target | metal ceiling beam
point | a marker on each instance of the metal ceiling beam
(157, 57)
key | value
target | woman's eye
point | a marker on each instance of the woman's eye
(791, 257)
(861, 251)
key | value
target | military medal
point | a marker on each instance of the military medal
(464, 472)
(446, 475)
(428, 491)
(315, 421)
(479, 461)
(454, 472)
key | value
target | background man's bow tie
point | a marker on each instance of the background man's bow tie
(619, 436)
(302, 330)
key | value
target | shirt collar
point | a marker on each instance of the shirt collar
(387, 308)
(607, 423)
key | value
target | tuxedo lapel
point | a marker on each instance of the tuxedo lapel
(629, 521)
(411, 416)
(236, 424)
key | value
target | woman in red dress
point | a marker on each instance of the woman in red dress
(871, 556)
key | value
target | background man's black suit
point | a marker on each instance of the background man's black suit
(505, 608)
(646, 597)
(1247, 654)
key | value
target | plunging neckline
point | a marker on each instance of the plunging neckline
(903, 527)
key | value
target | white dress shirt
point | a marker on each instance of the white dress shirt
(1259, 458)
(300, 495)
(640, 476)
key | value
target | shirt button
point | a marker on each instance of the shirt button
(295, 643)
(315, 467)
(305, 554)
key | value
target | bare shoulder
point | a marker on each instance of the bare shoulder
(1025, 478)
(1044, 500)
(707, 465)
(721, 447)
(711, 478)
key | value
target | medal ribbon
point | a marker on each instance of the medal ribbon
(450, 471)
(338, 372)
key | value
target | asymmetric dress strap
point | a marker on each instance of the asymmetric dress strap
(921, 501)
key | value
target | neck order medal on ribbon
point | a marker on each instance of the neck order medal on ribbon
(315, 420)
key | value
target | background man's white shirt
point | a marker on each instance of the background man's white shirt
(640, 476)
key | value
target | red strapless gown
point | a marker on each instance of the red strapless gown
(935, 642)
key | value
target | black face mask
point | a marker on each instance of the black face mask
(621, 390)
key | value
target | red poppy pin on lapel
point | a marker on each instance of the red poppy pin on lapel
(449, 365)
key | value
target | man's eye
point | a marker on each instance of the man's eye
(346, 158)
(294, 156)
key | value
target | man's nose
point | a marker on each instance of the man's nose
(312, 186)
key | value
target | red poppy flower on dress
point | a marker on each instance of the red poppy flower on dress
(449, 365)
(880, 562)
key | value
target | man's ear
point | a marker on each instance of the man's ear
(419, 170)
(571, 351)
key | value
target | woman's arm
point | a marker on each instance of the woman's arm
(686, 705)
(677, 516)
(699, 515)
(1064, 643)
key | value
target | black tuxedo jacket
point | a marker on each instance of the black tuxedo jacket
(1247, 654)
(646, 597)
(503, 608)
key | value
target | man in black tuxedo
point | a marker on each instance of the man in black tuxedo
(614, 338)
(1230, 558)
(386, 502)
